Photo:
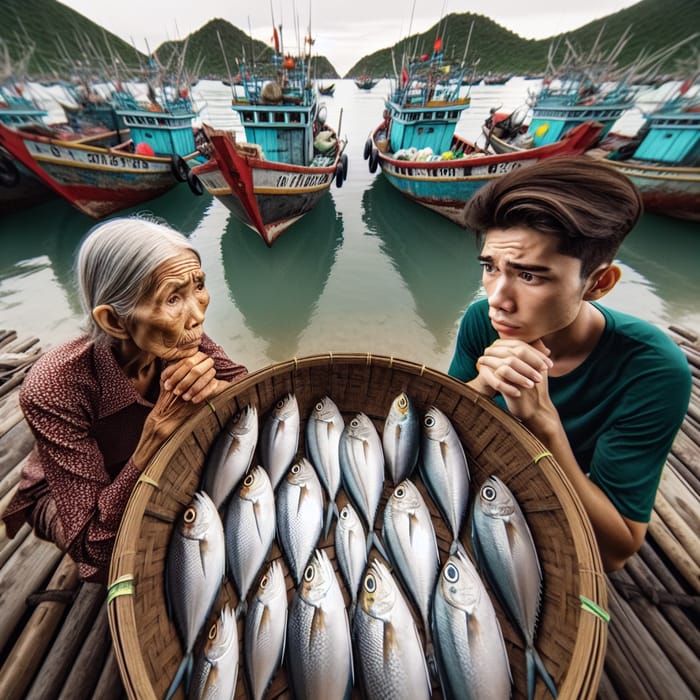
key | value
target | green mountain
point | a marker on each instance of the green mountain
(60, 36)
(653, 24)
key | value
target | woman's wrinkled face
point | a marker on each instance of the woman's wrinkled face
(167, 322)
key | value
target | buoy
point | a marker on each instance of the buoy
(144, 149)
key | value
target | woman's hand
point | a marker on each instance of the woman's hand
(192, 378)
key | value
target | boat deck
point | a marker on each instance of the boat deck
(54, 633)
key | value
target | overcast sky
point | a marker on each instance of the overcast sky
(345, 30)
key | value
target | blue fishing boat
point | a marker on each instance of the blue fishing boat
(419, 153)
(101, 179)
(290, 156)
(583, 86)
(663, 158)
(365, 82)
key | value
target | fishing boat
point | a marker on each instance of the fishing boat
(100, 180)
(327, 90)
(583, 86)
(290, 156)
(419, 153)
(365, 82)
(663, 157)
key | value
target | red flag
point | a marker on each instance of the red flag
(686, 86)
(437, 45)
(404, 77)
(276, 39)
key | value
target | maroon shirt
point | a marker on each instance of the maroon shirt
(87, 419)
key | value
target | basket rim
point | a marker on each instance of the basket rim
(591, 640)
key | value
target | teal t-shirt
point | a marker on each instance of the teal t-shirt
(621, 408)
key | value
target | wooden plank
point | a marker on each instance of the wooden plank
(25, 572)
(109, 685)
(23, 661)
(15, 446)
(679, 655)
(672, 515)
(674, 551)
(65, 648)
(87, 667)
(9, 546)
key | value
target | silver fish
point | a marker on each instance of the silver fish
(194, 572)
(231, 455)
(299, 516)
(319, 648)
(350, 550)
(390, 658)
(410, 539)
(401, 438)
(216, 671)
(362, 468)
(469, 645)
(507, 556)
(279, 438)
(250, 529)
(445, 470)
(323, 430)
(265, 630)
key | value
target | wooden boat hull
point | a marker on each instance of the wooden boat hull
(665, 189)
(446, 186)
(98, 181)
(265, 195)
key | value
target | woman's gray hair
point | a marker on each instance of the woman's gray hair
(116, 263)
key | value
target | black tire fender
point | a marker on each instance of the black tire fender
(195, 184)
(344, 163)
(339, 179)
(368, 149)
(179, 168)
(9, 175)
(373, 160)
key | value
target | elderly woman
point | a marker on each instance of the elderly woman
(102, 404)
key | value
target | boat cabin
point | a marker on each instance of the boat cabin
(671, 137)
(419, 126)
(165, 133)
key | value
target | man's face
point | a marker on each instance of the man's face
(168, 321)
(532, 290)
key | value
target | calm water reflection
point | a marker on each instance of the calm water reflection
(367, 271)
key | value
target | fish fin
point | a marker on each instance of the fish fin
(373, 540)
(183, 670)
(331, 512)
(535, 659)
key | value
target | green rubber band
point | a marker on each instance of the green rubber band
(591, 607)
(541, 456)
(122, 586)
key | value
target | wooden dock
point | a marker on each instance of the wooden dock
(54, 634)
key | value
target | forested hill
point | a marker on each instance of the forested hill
(653, 25)
(60, 35)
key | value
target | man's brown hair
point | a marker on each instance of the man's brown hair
(587, 204)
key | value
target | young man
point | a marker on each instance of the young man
(605, 392)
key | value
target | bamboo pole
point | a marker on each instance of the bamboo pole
(24, 573)
(673, 549)
(15, 446)
(64, 650)
(9, 546)
(26, 655)
(109, 686)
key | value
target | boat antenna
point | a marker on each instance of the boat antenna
(228, 70)
(466, 46)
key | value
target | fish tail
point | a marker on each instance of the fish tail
(241, 608)
(457, 547)
(184, 669)
(535, 666)
(330, 513)
(374, 541)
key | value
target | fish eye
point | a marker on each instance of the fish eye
(296, 469)
(370, 583)
(488, 493)
(451, 573)
(190, 515)
(400, 491)
(213, 630)
(248, 481)
(345, 513)
(355, 423)
(403, 401)
(319, 406)
(309, 573)
(264, 581)
(429, 421)
(280, 403)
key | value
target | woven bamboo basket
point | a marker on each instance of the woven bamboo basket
(570, 638)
